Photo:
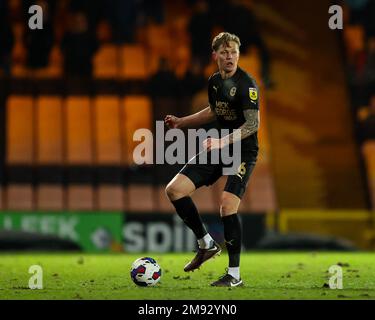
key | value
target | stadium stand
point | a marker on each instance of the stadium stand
(20, 130)
(158, 44)
(137, 114)
(108, 127)
(140, 198)
(79, 130)
(79, 145)
(354, 39)
(20, 197)
(109, 146)
(18, 68)
(110, 197)
(106, 63)
(305, 127)
(49, 130)
(133, 62)
(50, 145)
(50, 197)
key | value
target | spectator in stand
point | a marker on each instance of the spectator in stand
(193, 81)
(357, 11)
(122, 16)
(163, 89)
(78, 46)
(164, 82)
(39, 42)
(93, 10)
(200, 28)
(239, 19)
(369, 74)
(370, 19)
(368, 125)
(365, 73)
(6, 39)
(150, 11)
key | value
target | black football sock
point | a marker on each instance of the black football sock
(233, 238)
(188, 212)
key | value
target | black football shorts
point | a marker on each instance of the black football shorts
(208, 174)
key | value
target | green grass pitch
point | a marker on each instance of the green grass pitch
(271, 275)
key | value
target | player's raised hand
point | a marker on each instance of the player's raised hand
(172, 122)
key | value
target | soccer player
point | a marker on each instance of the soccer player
(233, 102)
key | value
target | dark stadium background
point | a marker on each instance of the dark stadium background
(72, 95)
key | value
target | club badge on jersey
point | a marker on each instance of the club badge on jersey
(233, 91)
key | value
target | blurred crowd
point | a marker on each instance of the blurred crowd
(360, 16)
(74, 25)
(79, 26)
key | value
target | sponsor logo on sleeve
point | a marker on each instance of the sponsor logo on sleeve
(253, 94)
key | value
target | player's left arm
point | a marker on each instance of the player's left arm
(251, 125)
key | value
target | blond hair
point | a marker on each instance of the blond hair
(224, 38)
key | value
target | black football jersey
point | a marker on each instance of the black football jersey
(228, 99)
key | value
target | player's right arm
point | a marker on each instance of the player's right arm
(194, 120)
